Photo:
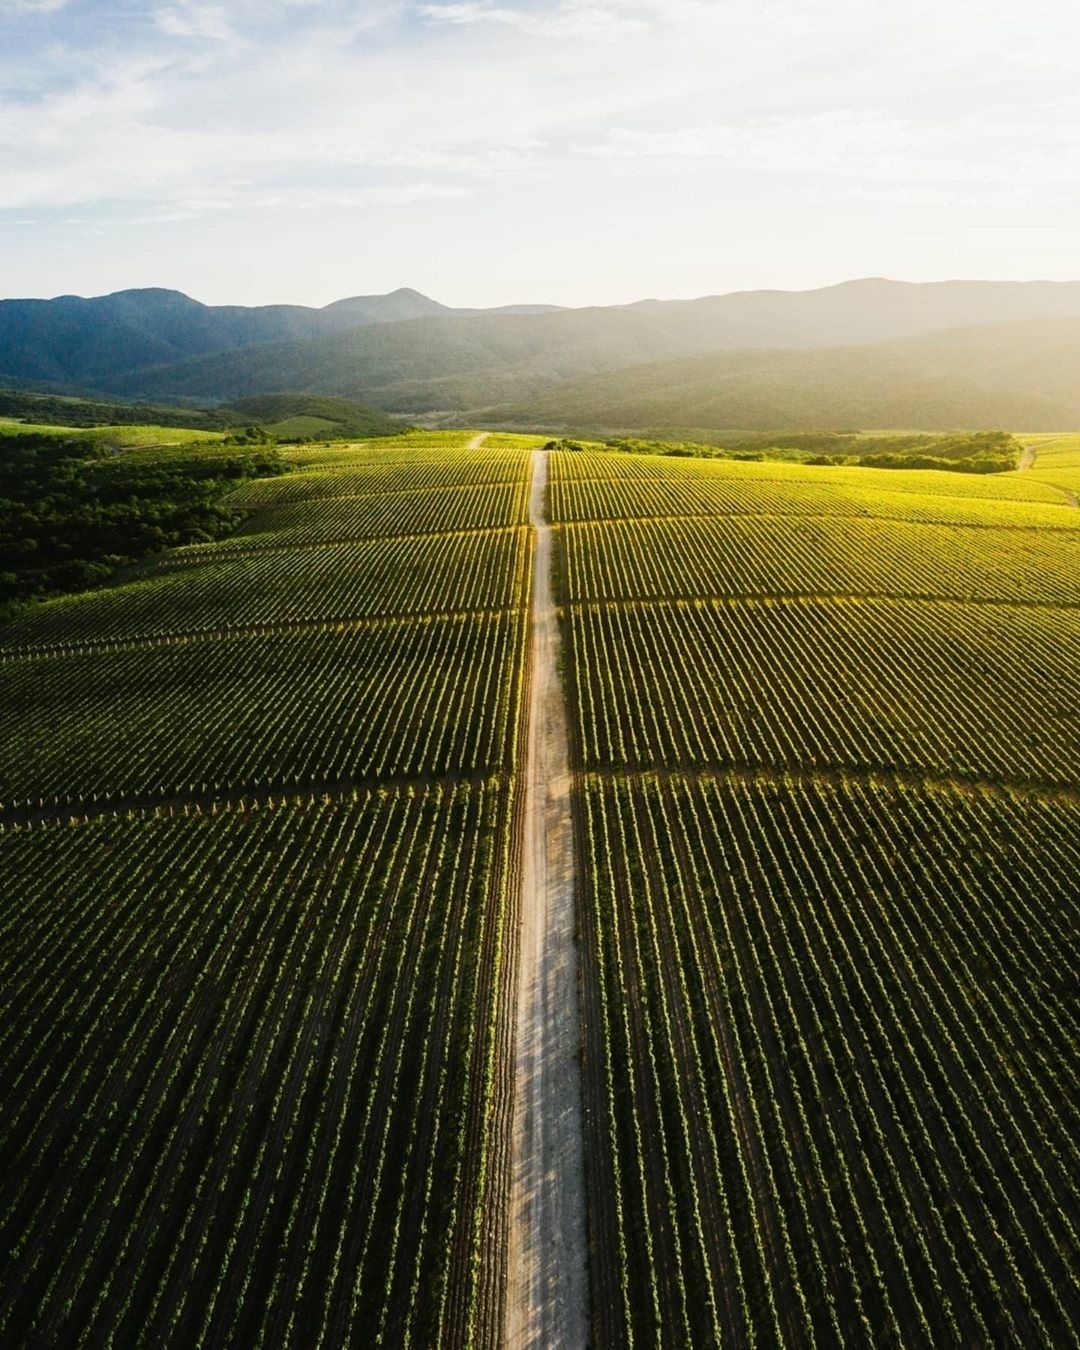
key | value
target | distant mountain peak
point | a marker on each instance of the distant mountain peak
(168, 291)
(403, 303)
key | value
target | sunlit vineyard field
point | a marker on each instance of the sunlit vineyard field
(130, 437)
(257, 863)
(1056, 466)
(262, 809)
(827, 728)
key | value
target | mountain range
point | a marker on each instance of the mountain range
(98, 343)
(869, 353)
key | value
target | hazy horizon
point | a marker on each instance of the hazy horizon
(525, 300)
(558, 151)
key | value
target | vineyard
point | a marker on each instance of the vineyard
(258, 859)
(270, 812)
(827, 741)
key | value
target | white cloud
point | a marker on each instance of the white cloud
(570, 18)
(993, 156)
(207, 22)
(31, 6)
(678, 82)
(476, 11)
(290, 201)
(198, 110)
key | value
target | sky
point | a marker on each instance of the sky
(569, 152)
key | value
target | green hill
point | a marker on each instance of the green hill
(66, 411)
(293, 416)
(285, 416)
(73, 341)
(74, 509)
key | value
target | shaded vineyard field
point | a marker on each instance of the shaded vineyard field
(258, 858)
(245, 1065)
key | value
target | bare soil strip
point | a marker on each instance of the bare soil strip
(478, 441)
(547, 1294)
(81, 810)
(226, 633)
(77, 810)
(1027, 461)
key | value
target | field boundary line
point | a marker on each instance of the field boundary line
(713, 517)
(766, 598)
(759, 775)
(207, 801)
(399, 619)
(303, 474)
(622, 479)
(217, 553)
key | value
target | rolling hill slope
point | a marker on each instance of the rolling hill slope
(422, 364)
(290, 416)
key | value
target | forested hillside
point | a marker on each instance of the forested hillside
(72, 512)
(869, 353)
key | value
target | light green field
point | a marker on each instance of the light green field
(508, 440)
(432, 443)
(12, 426)
(1057, 464)
(1015, 486)
(122, 437)
(295, 427)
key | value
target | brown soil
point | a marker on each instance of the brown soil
(547, 1294)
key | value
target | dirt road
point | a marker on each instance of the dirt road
(1028, 458)
(478, 441)
(547, 1294)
